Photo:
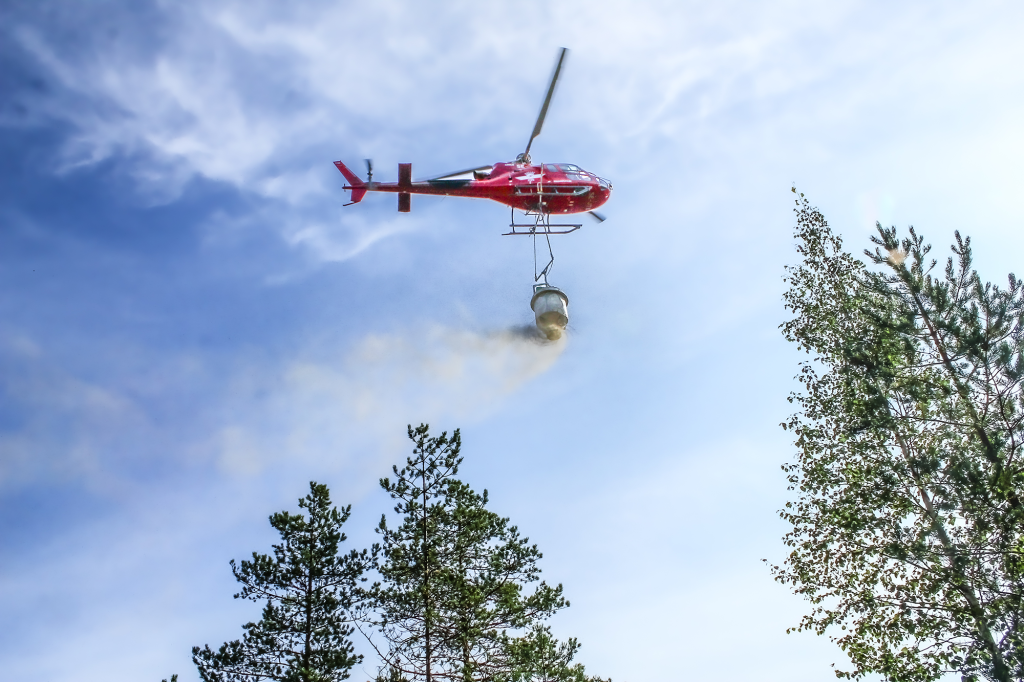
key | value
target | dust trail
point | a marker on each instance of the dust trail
(359, 399)
(528, 333)
(897, 256)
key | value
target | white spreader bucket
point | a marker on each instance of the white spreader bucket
(551, 307)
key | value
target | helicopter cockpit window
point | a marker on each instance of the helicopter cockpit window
(551, 168)
(574, 172)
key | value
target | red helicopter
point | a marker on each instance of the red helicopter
(538, 190)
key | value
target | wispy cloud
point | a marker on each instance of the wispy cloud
(262, 97)
(59, 426)
(339, 242)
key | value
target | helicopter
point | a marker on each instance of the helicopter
(535, 189)
(538, 190)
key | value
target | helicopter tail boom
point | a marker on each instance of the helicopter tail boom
(357, 186)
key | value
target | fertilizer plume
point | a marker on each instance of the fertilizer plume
(897, 256)
(529, 333)
(361, 397)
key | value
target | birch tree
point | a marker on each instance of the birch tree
(907, 535)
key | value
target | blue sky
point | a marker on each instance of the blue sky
(192, 327)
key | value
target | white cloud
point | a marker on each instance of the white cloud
(64, 427)
(339, 242)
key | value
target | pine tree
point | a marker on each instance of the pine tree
(452, 603)
(908, 530)
(409, 600)
(309, 590)
(490, 564)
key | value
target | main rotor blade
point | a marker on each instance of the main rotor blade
(456, 173)
(547, 99)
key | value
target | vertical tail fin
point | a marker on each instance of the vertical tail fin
(404, 180)
(357, 186)
(404, 174)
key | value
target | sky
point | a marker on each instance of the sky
(193, 327)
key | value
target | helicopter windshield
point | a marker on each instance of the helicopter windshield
(572, 171)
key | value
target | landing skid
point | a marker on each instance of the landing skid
(541, 225)
(540, 228)
(531, 230)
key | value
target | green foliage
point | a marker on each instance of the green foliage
(309, 590)
(452, 603)
(907, 525)
(392, 674)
